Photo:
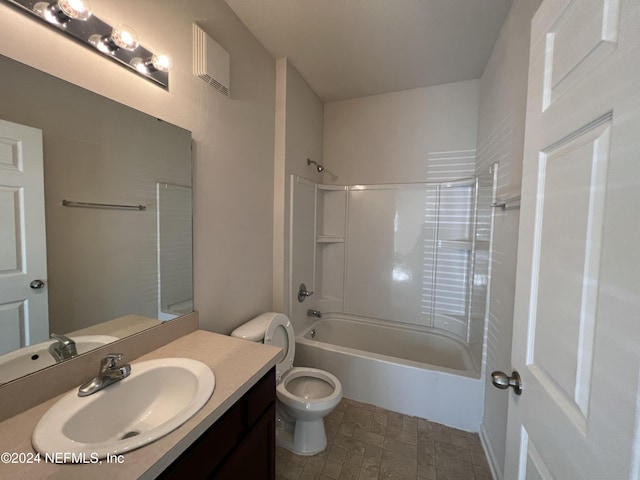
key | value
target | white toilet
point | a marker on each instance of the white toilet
(304, 395)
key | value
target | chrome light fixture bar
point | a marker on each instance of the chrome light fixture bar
(118, 43)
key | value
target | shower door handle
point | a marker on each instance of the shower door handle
(502, 381)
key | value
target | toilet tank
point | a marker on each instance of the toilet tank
(255, 329)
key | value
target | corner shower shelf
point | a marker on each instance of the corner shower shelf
(330, 239)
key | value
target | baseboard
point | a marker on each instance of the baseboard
(496, 472)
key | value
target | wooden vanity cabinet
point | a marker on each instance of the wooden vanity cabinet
(240, 445)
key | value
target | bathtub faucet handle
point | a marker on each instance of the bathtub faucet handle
(303, 292)
(314, 313)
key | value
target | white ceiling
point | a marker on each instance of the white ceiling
(353, 48)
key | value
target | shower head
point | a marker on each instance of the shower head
(318, 166)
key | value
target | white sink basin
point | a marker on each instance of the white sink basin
(158, 397)
(35, 357)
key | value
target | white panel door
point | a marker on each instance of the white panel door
(576, 334)
(24, 315)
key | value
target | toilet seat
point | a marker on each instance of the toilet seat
(279, 333)
(289, 398)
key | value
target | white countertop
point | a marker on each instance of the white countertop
(237, 365)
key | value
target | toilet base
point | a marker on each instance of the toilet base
(303, 437)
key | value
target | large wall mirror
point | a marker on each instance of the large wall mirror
(95, 220)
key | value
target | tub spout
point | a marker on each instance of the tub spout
(314, 313)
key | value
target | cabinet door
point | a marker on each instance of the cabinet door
(211, 448)
(251, 459)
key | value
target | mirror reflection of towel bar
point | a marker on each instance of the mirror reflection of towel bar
(71, 203)
(504, 204)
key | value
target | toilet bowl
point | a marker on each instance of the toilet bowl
(304, 396)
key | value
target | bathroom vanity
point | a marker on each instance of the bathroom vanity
(232, 436)
(241, 444)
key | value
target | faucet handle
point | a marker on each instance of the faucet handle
(109, 373)
(110, 361)
(63, 348)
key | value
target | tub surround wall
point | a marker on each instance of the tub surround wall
(503, 91)
(233, 137)
(368, 249)
(404, 253)
(408, 255)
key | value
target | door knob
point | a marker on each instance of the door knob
(37, 284)
(502, 381)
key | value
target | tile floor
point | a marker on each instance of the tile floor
(366, 442)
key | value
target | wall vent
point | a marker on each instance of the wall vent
(211, 62)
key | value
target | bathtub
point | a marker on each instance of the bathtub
(409, 370)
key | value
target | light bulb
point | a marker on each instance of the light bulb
(156, 63)
(161, 62)
(60, 12)
(121, 37)
(77, 9)
(125, 37)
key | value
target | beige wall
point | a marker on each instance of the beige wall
(233, 138)
(503, 92)
(299, 135)
(387, 138)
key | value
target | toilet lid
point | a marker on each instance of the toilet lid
(280, 334)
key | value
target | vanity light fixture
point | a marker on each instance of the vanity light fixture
(119, 43)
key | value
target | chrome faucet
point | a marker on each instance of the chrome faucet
(109, 373)
(63, 349)
(314, 313)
